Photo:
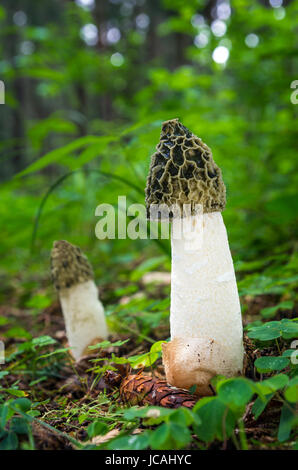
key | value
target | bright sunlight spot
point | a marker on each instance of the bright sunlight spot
(117, 59)
(89, 33)
(220, 54)
(252, 40)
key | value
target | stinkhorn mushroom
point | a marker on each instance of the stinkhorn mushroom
(205, 314)
(83, 312)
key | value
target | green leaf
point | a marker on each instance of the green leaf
(142, 360)
(9, 442)
(289, 328)
(42, 341)
(180, 435)
(241, 266)
(133, 442)
(89, 153)
(170, 435)
(52, 124)
(5, 414)
(235, 392)
(14, 392)
(266, 332)
(216, 419)
(57, 155)
(19, 425)
(274, 329)
(53, 353)
(288, 420)
(107, 344)
(147, 359)
(97, 428)
(157, 347)
(22, 404)
(192, 389)
(269, 363)
(269, 312)
(38, 301)
(260, 404)
(289, 353)
(160, 439)
(271, 385)
(17, 332)
(3, 320)
(147, 412)
(291, 392)
(147, 266)
(2, 14)
(182, 416)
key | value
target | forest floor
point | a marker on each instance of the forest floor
(60, 404)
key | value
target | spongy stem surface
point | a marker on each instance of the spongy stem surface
(204, 296)
(84, 316)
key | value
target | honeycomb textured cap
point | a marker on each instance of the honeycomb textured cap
(182, 171)
(69, 265)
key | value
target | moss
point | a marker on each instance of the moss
(182, 171)
(69, 265)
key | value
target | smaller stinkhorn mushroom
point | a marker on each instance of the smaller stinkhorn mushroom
(205, 316)
(83, 312)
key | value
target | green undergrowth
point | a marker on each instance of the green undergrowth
(256, 411)
(81, 135)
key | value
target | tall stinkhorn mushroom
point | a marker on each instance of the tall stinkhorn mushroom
(205, 314)
(83, 312)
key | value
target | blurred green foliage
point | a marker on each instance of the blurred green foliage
(242, 109)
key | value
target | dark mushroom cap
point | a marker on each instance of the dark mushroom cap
(69, 265)
(182, 171)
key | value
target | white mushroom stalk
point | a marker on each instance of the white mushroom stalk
(83, 312)
(205, 315)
